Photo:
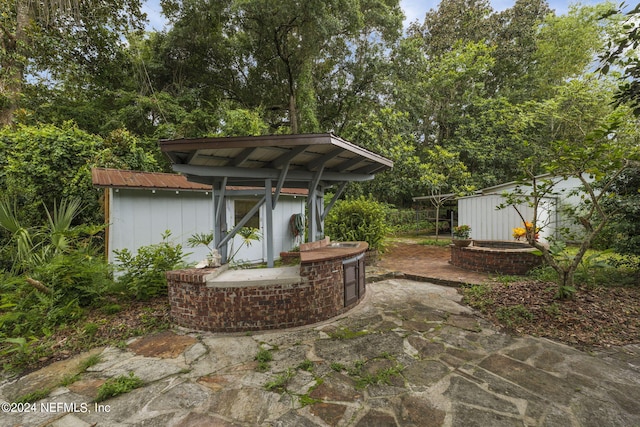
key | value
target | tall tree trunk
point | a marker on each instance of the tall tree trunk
(13, 65)
(293, 113)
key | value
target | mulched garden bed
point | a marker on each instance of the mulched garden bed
(596, 316)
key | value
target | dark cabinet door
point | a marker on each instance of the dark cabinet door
(350, 282)
(361, 278)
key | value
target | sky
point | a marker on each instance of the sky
(413, 9)
(416, 9)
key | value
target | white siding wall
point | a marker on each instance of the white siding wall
(569, 198)
(489, 223)
(282, 237)
(139, 217)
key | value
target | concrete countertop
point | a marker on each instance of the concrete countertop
(255, 277)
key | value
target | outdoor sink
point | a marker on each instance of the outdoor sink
(343, 245)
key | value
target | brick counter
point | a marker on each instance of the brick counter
(318, 296)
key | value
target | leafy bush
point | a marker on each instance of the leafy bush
(144, 273)
(279, 384)
(55, 271)
(361, 219)
(44, 162)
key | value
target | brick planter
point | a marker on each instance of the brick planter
(496, 257)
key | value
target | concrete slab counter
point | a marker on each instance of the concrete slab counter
(328, 282)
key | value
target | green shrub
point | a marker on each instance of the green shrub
(306, 365)
(56, 270)
(111, 308)
(279, 384)
(91, 329)
(362, 219)
(33, 396)
(144, 273)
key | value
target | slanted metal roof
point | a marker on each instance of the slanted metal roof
(118, 178)
(248, 160)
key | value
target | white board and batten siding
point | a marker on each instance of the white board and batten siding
(487, 222)
(480, 211)
(283, 240)
(139, 217)
(142, 206)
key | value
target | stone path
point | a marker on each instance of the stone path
(408, 355)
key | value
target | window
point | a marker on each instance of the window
(242, 207)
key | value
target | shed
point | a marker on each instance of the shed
(487, 222)
(140, 206)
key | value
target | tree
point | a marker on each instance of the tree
(591, 144)
(622, 52)
(446, 178)
(284, 57)
(566, 47)
(45, 163)
(57, 38)
(489, 141)
(388, 133)
(455, 22)
(437, 93)
(623, 204)
(516, 33)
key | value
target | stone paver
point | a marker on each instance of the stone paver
(409, 355)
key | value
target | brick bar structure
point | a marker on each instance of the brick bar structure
(318, 295)
(496, 257)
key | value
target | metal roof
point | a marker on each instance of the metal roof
(248, 160)
(117, 178)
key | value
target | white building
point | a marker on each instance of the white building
(141, 206)
(480, 211)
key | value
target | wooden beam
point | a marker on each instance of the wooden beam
(264, 173)
(287, 157)
(243, 156)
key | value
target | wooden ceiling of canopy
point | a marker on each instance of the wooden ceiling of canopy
(252, 159)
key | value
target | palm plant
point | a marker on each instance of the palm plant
(248, 236)
(21, 237)
(34, 246)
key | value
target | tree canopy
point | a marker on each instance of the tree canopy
(483, 88)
